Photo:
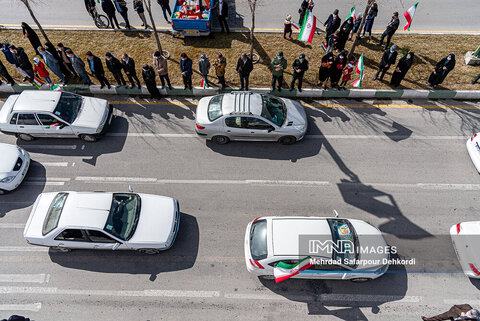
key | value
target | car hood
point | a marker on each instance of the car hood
(201, 114)
(157, 217)
(10, 155)
(92, 114)
(295, 113)
(370, 239)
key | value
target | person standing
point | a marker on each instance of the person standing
(402, 68)
(223, 15)
(22, 63)
(457, 312)
(39, 69)
(300, 65)
(441, 70)
(148, 75)
(244, 68)
(389, 31)
(332, 24)
(109, 9)
(129, 67)
(332, 43)
(372, 13)
(52, 63)
(356, 25)
(302, 11)
(65, 60)
(345, 30)
(7, 53)
(161, 66)
(278, 65)
(4, 73)
(79, 66)
(204, 68)
(347, 75)
(32, 36)
(96, 67)
(337, 69)
(324, 70)
(138, 7)
(115, 67)
(121, 6)
(287, 27)
(186, 70)
(90, 6)
(165, 8)
(49, 47)
(389, 58)
(220, 64)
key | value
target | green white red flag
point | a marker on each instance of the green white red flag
(352, 14)
(296, 25)
(203, 84)
(37, 82)
(283, 271)
(359, 70)
(409, 16)
(309, 26)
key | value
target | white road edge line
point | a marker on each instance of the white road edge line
(34, 307)
(31, 146)
(23, 249)
(51, 164)
(24, 278)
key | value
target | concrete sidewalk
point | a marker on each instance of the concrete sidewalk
(306, 93)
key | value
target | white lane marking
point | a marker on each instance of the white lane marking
(35, 307)
(51, 164)
(24, 278)
(281, 182)
(56, 181)
(449, 186)
(116, 179)
(29, 147)
(44, 183)
(12, 225)
(23, 249)
(151, 135)
(328, 297)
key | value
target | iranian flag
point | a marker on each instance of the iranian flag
(352, 14)
(324, 46)
(359, 70)
(308, 27)
(203, 84)
(296, 25)
(283, 271)
(37, 82)
(409, 16)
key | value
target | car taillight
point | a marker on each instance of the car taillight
(471, 139)
(474, 269)
(199, 127)
(458, 228)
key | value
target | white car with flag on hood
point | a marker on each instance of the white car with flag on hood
(248, 116)
(104, 221)
(13, 166)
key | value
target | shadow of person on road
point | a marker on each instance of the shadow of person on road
(181, 256)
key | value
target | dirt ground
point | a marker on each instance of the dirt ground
(429, 49)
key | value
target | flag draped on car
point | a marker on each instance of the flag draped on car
(359, 70)
(352, 14)
(308, 27)
(283, 271)
(409, 16)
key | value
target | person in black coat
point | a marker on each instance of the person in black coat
(32, 36)
(115, 67)
(244, 68)
(345, 30)
(186, 70)
(109, 9)
(325, 69)
(129, 68)
(337, 69)
(441, 70)
(389, 31)
(96, 67)
(300, 65)
(4, 73)
(23, 63)
(148, 75)
(332, 24)
(302, 11)
(389, 58)
(90, 6)
(65, 62)
(121, 6)
(223, 15)
(402, 68)
(51, 49)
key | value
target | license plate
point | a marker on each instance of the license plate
(191, 32)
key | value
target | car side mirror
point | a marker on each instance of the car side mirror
(271, 129)
(130, 189)
(62, 126)
(115, 246)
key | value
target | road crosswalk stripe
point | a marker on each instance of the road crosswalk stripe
(34, 307)
(24, 278)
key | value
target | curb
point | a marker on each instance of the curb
(306, 93)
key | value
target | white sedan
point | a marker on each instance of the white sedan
(473, 148)
(13, 166)
(100, 220)
(466, 240)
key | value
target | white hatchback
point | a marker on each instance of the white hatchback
(104, 221)
(466, 240)
(13, 166)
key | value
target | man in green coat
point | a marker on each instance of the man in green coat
(278, 65)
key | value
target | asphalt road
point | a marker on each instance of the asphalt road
(431, 15)
(403, 168)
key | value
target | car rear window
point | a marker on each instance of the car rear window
(258, 240)
(54, 212)
(215, 108)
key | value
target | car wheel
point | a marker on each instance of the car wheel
(220, 140)
(360, 280)
(89, 138)
(149, 251)
(287, 140)
(3, 192)
(26, 137)
(60, 249)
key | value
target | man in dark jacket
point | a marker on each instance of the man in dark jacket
(115, 67)
(332, 24)
(4, 73)
(244, 68)
(121, 6)
(457, 312)
(129, 68)
(165, 8)
(96, 67)
(64, 60)
(389, 58)
(302, 11)
(300, 65)
(6, 51)
(186, 70)
(148, 75)
(22, 63)
(223, 15)
(90, 6)
(389, 31)
(109, 9)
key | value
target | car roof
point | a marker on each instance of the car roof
(37, 101)
(286, 233)
(86, 209)
(242, 102)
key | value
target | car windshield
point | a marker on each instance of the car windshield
(258, 240)
(273, 109)
(53, 214)
(215, 107)
(342, 230)
(123, 216)
(68, 107)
